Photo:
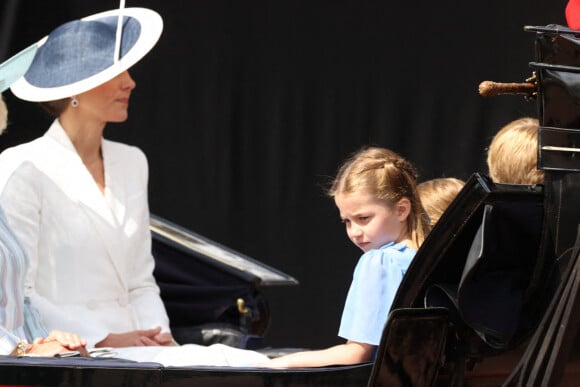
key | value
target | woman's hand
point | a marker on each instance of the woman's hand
(57, 342)
(145, 337)
(162, 338)
(51, 348)
(68, 340)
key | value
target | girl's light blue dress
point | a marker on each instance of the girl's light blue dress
(376, 279)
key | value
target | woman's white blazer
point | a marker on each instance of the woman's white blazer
(91, 267)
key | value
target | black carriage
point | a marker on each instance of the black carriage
(491, 297)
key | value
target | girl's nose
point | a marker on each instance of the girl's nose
(355, 231)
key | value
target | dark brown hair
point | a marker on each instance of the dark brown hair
(55, 108)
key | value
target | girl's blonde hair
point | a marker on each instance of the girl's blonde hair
(437, 194)
(387, 176)
(512, 156)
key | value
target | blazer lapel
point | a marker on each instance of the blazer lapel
(80, 185)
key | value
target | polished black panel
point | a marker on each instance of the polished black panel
(202, 283)
(83, 372)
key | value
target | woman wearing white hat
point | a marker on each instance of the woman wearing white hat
(21, 329)
(77, 201)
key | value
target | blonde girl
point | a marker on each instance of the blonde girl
(375, 192)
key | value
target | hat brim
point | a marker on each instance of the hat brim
(152, 26)
(15, 67)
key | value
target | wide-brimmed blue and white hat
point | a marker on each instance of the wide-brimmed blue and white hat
(15, 67)
(83, 54)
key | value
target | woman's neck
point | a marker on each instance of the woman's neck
(86, 136)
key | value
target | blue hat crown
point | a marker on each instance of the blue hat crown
(79, 49)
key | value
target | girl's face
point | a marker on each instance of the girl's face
(372, 223)
(108, 102)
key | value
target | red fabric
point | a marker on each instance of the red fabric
(573, 14)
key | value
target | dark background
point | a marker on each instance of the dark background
(246, 109)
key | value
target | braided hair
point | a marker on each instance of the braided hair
(389, 177)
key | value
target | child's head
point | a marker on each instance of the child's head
(437, 194)
(375, 191)
(512, 156)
